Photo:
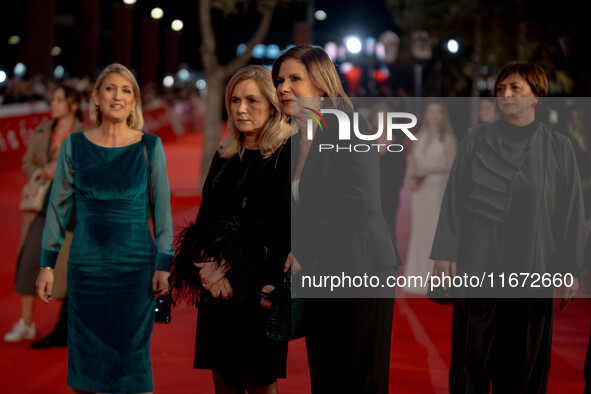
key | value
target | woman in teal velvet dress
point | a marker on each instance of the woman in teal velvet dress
(115, 269)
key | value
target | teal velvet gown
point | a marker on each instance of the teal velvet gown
(112, 258)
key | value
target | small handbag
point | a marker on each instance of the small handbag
(33, 193)
(285, 320)
(163, 309)
(163, 306)
(439, 295)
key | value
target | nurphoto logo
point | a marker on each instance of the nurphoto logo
(387, 122)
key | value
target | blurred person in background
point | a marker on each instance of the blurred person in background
(41, 158)
(429, 162)
(392, 169)
(486, 110)
(17, 91)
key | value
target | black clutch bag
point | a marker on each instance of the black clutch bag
(163, 309)
(439, 295)
(285, 320)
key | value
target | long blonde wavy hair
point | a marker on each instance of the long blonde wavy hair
(275, 131)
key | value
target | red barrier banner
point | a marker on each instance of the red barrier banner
(162, 122)
(15, 135)
(16, 130)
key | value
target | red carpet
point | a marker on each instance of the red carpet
(420, 338)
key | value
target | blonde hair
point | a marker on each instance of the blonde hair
(135, 119)
(276, 129)
(321, 70)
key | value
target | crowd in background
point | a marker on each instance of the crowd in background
(188, 104)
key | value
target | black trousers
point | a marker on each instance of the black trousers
(503, 342)
(348, 344)
(60, 331)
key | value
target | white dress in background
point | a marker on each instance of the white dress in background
(425, 206)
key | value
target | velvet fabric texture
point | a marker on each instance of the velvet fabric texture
(112, 258)
(244, 220)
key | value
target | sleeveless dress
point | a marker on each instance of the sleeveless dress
(425, 207)
(112, 258)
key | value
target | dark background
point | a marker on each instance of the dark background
(552, 34)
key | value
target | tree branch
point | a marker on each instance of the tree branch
(208, 44)
(257, 38)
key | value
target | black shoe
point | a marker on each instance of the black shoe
(48, 341)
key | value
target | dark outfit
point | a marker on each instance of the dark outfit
(512, 208)
(338, 226)
(112, 258)
(244, 216)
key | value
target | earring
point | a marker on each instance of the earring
(321, 98)
(534, 104)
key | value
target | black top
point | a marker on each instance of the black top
(338, 226)
(512, 207)
(517, 133)
(244, 219)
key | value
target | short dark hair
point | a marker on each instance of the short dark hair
(533, 74)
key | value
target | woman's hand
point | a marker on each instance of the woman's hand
(44, 284)
(567, 294)
(265, 293)
(414, 182)
(221, 289)
(442, 269)
(293, 263)
(48, 171)
(210, 272)
(213, 278)
(160, 284)
(420, 174)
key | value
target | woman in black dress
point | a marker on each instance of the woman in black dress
(337, 228)
(240, 240)
(512, 205)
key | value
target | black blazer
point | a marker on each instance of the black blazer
(544, 207)
(338, 225)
